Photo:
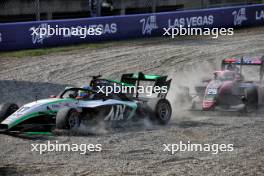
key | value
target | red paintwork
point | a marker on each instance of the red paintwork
(207, 105)
(226, 85)
(221, 85)
(230, 60)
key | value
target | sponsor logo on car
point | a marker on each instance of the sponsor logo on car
(116, 113)
(55, 106)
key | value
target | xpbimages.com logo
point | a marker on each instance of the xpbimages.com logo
(195, 31)
(192, 147)
(144, 90)
(45, 30)
(59, 147)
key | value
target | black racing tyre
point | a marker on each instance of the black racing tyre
(7, 109)
(251, 95)
(160, 110)
(67, 118)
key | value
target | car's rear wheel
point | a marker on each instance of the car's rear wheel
(7, 109)
(67, 118)
(160, 109)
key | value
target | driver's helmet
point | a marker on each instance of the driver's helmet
(83, 93)
(232, 67)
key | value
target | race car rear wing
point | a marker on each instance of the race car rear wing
(159, 81)
(244, 61)
(249, 61)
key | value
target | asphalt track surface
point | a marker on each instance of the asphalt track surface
(137, 149)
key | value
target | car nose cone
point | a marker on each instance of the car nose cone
(207, 105)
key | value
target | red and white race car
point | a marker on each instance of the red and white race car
(229, 89)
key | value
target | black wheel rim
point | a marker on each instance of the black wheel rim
(73, 120)
(164, 111)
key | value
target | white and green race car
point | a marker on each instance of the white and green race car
(67, 110)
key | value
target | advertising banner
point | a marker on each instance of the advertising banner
(22, 35)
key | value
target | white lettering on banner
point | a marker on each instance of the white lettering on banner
(36, 37)
(149, 24)
(0, 37)
(239, 16)
(200, 21)
(191, 21)
(116, 113)
(260, 15)
(106, 28)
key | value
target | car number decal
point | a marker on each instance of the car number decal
(212, 91)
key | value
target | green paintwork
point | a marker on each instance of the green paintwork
(38, 133)
(31, 115)
(149, 77)
(50, 112)
(135, 76)
(35, 114)
(23, 118)
(134, 107)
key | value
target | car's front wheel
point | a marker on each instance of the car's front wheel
(67, 118)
